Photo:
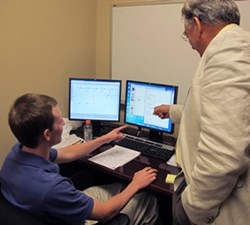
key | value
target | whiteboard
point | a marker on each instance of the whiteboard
(147, 45)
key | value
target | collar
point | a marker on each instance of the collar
(33, 160)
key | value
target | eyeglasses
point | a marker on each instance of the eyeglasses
(184, 36)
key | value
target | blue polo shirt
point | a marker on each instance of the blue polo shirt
(34, 184)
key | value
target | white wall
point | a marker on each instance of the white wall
(147, 44)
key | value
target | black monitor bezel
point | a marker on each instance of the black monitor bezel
(149, 83)
(98, 80)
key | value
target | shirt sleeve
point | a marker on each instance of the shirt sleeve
(53, 154)
(175, 113)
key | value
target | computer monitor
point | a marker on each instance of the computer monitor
(97, 100)
(140, 100)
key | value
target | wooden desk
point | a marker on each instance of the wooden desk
(127, 171)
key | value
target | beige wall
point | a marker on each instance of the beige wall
(42, 43)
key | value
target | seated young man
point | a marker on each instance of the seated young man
(30, 176)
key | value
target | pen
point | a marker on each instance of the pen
(78, 142)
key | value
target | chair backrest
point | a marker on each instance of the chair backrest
(120, 219)
(11, 215)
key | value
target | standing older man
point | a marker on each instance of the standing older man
(214, 133)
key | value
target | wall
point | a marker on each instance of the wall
(103, 46)
(104, 20)
(42, 43)
(147, 46)
(139, 54)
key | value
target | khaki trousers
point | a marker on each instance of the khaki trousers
(142, 209)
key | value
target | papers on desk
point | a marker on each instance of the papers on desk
(69, 140)
(115, 157)
(172, 161)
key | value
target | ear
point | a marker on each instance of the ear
(46, 135)
(198, 26)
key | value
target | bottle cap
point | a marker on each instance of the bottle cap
(88, 122)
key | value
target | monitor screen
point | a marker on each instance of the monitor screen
(140, 100)
(94, 99)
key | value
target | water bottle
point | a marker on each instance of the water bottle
(88, 131)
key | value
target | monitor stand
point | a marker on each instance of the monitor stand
(152, 135)
(97, 127)
(156, 136)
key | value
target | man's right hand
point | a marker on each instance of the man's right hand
(144, 177)
(162, 111)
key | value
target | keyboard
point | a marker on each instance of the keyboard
(146, 147)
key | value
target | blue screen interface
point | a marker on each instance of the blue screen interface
(142, 97)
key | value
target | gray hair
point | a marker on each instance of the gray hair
(211, 11)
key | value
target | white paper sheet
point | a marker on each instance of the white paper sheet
(69, 140)
(172, 161)
(115, 157)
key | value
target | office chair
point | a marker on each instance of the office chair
(11, 215)
(120, 219)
